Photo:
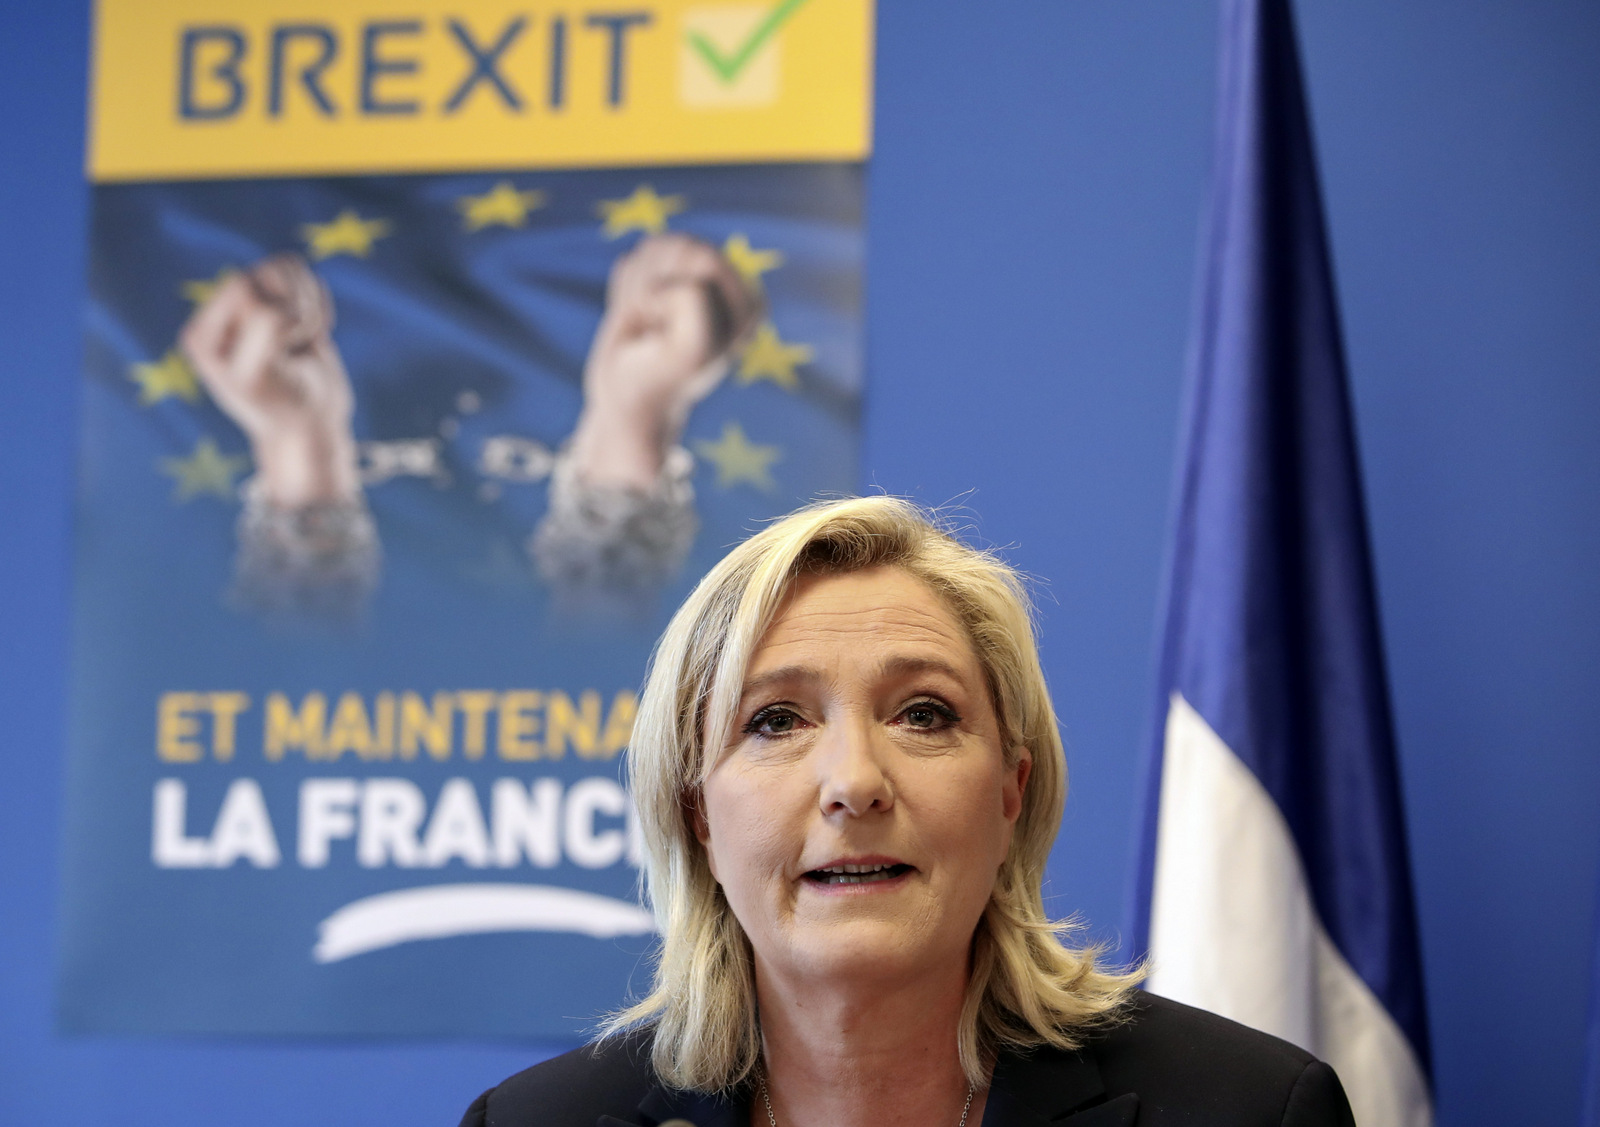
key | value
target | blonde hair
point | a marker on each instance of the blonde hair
(1026, 988)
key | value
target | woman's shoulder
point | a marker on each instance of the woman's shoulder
(1176, 1056)
(1157, 1029)
(608, 1077)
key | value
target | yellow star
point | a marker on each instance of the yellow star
(170, 375)
(207, 470)
(750, 263)
(738, 459)
(642, 211)
(347, 234)
(767, 357)
(501, 204)
(199, 290)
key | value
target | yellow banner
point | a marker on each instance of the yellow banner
(228, 88)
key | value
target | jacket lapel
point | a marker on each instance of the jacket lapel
(1050, 1088)
(662, 1103)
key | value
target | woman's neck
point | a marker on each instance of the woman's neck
(864, 1054)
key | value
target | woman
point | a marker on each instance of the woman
(849, 776)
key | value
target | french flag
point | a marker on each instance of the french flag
(1273, 882)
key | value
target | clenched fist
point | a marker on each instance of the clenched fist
(263, 346)
(675, 310)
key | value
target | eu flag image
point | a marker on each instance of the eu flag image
(388, 485)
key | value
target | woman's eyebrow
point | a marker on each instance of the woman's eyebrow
(906, 666)
(902, 666)
(783, 675)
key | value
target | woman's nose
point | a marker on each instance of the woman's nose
(852, 779)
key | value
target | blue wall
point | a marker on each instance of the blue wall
(1034, 208)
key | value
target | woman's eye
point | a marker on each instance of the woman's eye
(772, 722)
(928, 715)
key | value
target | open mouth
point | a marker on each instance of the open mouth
(857, 874)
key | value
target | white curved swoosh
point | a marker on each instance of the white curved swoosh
(440, 910)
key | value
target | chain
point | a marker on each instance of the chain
(772, 1120)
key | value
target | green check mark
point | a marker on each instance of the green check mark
(727, 67)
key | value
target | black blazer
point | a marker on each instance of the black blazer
(1169, 1064)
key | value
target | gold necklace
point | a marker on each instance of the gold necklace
(772, 1120)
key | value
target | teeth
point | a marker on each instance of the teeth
(855, 874)
(854, 868)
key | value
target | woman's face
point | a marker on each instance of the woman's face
(859, 814)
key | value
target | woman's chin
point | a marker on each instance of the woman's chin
(879, 950)
(879, 966)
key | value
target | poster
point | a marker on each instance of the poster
(431, 357)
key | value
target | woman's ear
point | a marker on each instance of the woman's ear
(1016, 784)
(695, 810)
